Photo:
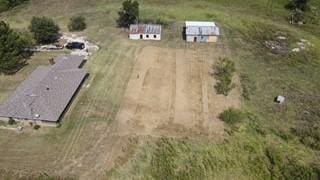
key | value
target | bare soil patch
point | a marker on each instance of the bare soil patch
(171, 93)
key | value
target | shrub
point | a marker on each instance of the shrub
(36, 127)
(231, 116)
(11, 121)
(12, 49)
(44, 30)
(77, 23)
(129, 13)
(7, 4)
(298, 4)
(224, 71)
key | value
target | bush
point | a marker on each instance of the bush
(12, 49)
(44, 29)
(231, 116)
(77, 23)
(224, 71)
(129, 13)
(298, 4)
(11, 121)
(7, 4)
(36, 127)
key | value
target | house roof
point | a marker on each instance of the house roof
(145, 29)
(200, 28)
(46, 93)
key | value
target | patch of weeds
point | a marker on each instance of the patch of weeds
(232, 116)
(224, 70)
(161, 21)
(248, 86)
(210, 15)
(308, 131)
(163, 161)
(306, 124)
(285, 166)
(255, 125)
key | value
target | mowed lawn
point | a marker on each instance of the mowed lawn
(268, 143)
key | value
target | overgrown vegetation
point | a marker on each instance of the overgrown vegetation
(302, 5)
(44, 29)
(248, 86)
(129, 14)
(77, 23)
(11, 121)
(232, 116)
(7, 4)
(12, 49)
(224, 70)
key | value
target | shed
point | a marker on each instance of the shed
(201, 31)
(145, 32)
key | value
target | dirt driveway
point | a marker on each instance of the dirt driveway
(171, 93)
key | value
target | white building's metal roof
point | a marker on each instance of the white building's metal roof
(200, 24)
(199, 28)
(145, 29)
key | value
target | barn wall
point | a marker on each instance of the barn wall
(144, 36)
(5, 119)
(213, 39)
(151, 37)
(190, 38)
(134, 36)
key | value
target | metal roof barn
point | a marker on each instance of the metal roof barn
(145, 31)
(46, 93)
(200, 31)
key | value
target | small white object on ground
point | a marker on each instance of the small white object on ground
(280, 99)
(19, 128)
(296, 50)
(282, 37)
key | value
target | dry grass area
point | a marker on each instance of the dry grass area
(170, 93)
(136, 90)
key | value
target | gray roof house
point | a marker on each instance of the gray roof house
(47, 92)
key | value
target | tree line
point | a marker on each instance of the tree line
(15, 46)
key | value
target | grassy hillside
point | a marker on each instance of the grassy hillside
(272, 142)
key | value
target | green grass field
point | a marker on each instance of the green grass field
(271, 142)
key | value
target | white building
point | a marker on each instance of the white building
(199, 31)
(145, 32)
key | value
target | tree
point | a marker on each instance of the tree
(6, 4)
(44, 29)
(77, 23)
(298, 4)
(12, 49)
(129, 13)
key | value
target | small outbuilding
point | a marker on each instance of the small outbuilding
(145, 32)
(200, 31)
